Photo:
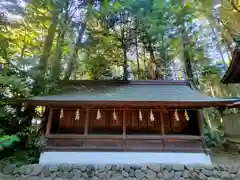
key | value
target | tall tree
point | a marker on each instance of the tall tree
(55, 9)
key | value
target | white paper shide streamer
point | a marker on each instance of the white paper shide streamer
(61, 114)
(151, 116)
(114, 115)
(140, 115)
(77, 115)
(186, 115)
(98, 114)
(176, 116)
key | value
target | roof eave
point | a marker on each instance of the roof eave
(127, 82)
(167, 104)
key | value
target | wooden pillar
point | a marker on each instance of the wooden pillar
(49, 123)
(124, 123)
(200, 119)
(124, 130)
(162, 123)
(162, 128)
(86, 122)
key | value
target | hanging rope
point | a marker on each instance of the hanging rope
(61, 114)
(140, 115)
(176, 116)
(151, 116)
(114, 115)
(77, 115)
(98, 115)
(186, 115)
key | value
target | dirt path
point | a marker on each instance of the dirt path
(218, 156)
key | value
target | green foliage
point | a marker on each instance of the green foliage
(212, 129)
(213, 136)
(25, 140)
(13, 86)
(6, 141)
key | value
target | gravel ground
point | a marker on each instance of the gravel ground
(219, 156)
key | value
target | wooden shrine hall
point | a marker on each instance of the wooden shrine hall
(126, 116)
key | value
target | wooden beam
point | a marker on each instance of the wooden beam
(86, 122)
(68, 148)
(108, 108)
(49, 123)
(183, 143)
(139, 104)
(132, 137)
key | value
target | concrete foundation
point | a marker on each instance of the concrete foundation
(123, 158)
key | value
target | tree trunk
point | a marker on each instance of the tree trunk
(153, 61)
(73, 59)
(56, 70)
(125, 63)
(42, 68)
(187, 57)
(219, 48)
(23, 48)
(216, 18)
(229, 47)
(48, 45)
(57, 61)
(144, 62)
(137, 56)
(185, 41)
(188, 65)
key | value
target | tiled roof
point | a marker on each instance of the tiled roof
(137, 91)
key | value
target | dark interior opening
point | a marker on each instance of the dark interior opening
(68, 124)
(193, 124)
(145, 125)
(183, 126)
(55, 122)
(107, 124)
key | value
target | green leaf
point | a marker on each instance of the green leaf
(117, 6)
(159, 4)
(106, 4)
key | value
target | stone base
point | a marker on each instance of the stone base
(120, 172)
(123, 158)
